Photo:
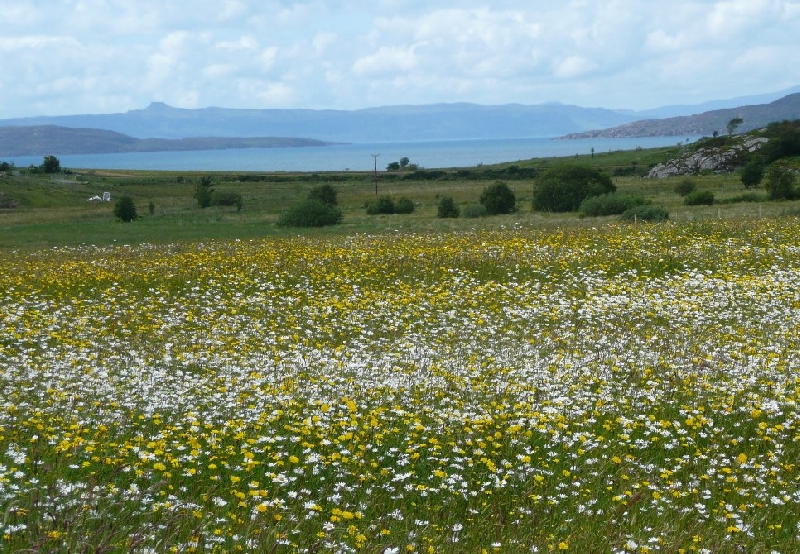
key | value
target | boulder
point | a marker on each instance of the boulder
(717, 160)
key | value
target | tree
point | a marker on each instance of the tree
(204, 192)
(404, 161)
(448, 208)
(498, 199)
(51, 164)
(752, 173)
(393, 166)
(733, 124)
(324, 193)
(564, 187)
(780, 182)
(125, 209)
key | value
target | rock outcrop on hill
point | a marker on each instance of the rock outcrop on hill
(708, 159)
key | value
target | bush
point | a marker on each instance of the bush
(609, 204)
(474, 210)
(752, 173)
(404, 206)
(498, 199)
(685, 187)
(227, 199)
(383, 205)
(324, 193)
(204, 192)
(645, 213)
(310, 213)
(780, 182)
(699, 198)
(125, 209)
(563, 188)
(447, 208)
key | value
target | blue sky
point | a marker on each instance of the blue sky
(106, 56)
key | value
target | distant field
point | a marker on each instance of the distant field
(52, 214)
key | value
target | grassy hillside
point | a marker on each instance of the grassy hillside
(51, 213)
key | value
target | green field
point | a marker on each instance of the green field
(205, 381)
(52, 214)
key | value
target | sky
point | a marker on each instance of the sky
(61, 57)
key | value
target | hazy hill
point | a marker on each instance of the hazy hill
(384, 124)
(42, 140)
(753, 117)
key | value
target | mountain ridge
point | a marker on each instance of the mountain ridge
(703, 124)
(40, 140)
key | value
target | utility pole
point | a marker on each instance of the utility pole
(375, 156)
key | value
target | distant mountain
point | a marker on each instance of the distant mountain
(753, 117)
(384, 124)
(43, 140)
(139, 130)
(691, 109)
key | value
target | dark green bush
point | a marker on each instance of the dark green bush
(324, 193)
(204, 192)
(404, 206)
(447, 208)
(609, 204)
(685, 187)
(645, 213)
(125, 209)
(752, 173)
(779, 182)
(227, 198)
(383, 205)
(564, 187)
(499, 199)
(699, 198)
(310, 213)
(474, 210)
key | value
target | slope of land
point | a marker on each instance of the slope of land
(753, 117)
(53, 139)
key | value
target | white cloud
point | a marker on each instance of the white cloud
(387, 60)
(80, 56)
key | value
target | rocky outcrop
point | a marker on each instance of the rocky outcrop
(717, 160)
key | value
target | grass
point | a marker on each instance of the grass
(52, 214)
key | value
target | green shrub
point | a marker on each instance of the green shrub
(447, 208)
(753, 173)
(474, 210)
(324, 193)
(404, 206)
(645, 213)
(383, 205)
(744, 197)
(699, 198)
(564, 187)
(125, 209)
(227, 198)
(685, 187)
(498, 199)
(204, 192)
(310, 213)
(609, 204)
(780, 182)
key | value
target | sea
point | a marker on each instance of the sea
(355, 157)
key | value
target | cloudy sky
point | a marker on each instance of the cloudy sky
(105, 56)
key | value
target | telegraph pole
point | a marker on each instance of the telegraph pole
(375, 156)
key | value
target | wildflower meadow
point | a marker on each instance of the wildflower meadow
(629, 388)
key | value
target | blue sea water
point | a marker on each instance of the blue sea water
(355, 157)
